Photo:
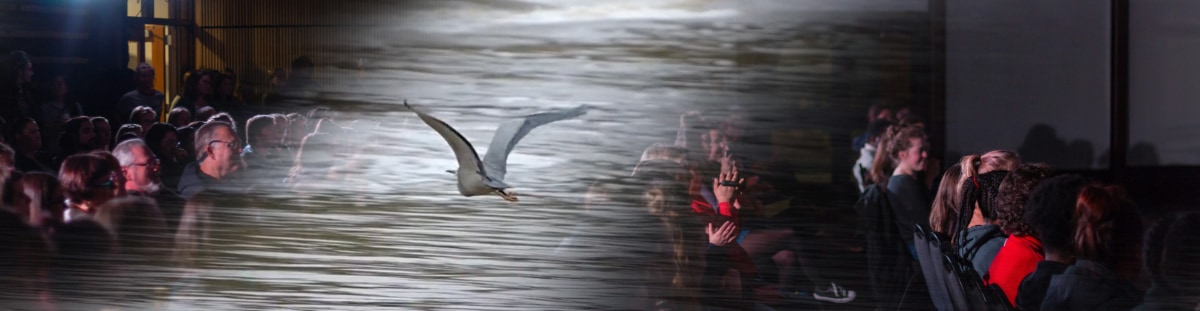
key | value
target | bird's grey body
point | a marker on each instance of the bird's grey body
(476, 177)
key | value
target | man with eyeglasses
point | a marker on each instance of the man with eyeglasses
(218, 155)
(140, 167)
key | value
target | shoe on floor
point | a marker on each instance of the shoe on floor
(834, 294)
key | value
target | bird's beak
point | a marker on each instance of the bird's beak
(452, 171)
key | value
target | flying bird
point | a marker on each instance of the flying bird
(476, 177)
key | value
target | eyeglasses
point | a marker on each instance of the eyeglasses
(229, 144)
(233, 145)
(151, 164)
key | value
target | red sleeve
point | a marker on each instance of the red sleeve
(1017, 259)
(726, 209)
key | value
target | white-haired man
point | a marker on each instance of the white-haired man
(140, 167)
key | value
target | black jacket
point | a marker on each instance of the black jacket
(1033, 288)
(889, 261)
(193, 181)
(909, 200)
(1088, 285)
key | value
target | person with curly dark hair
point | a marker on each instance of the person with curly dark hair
(977, 238)
(1022, 251)
(1050, 213)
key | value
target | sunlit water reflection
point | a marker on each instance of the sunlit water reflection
(397, 235)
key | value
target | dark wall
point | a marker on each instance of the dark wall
(1163, 75)
(1033, 78)
(82, 40)
(1036, 79)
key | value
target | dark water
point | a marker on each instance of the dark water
(397, 235)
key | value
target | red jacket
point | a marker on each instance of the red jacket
(702, 207)
(1017, 259)
(737, 254)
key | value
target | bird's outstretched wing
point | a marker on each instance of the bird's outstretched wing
(463, 151)
(510, 132)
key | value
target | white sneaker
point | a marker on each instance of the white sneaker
(834, 294)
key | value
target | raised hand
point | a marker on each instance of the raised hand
(726, 186)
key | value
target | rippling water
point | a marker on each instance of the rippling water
(397, 235)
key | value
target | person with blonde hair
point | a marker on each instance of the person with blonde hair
(974, 165)
(943, 215)
(900, 157)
